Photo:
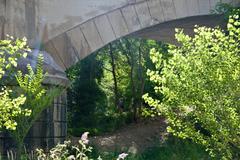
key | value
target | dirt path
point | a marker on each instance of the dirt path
(133, 138)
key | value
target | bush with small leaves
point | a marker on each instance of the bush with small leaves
(200, 83)
(10, 51)
(38, 98)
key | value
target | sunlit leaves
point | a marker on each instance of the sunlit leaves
(31, 83)
(201, 87)
(10, 108)
(10, 50)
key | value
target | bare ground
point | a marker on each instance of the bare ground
(133, 138)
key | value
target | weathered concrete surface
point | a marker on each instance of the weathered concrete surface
(56, 15)
(72, 29)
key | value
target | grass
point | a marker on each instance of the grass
(171, 149)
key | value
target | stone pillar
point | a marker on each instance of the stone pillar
(51, 127)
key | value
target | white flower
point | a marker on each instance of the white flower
(84, 137)
(122, 156)
(71, 157)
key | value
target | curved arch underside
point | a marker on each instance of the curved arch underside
(71, 30)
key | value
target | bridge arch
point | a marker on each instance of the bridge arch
(83, 39)
(70, 30)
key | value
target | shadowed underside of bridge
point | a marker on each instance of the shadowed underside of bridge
(72, 29)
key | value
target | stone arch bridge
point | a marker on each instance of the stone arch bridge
(70, 30)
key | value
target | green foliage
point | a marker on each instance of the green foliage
(175, 149)
(225, 9)
(67, 151)
(10, 107)
(171, 149)
(37, 96)
(200, 83)
(91, 99)
(31, 83)
(86, 101)
(18, 114)
(10, 50)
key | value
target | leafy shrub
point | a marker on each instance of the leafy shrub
(10, 50)
(200, 83)
(66, 151)
(37, 96)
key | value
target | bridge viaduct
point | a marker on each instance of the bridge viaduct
(70, 30)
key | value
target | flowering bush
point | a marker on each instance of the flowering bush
(66, 151)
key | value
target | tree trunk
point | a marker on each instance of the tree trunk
(114, 75)
(130, 58)
(141, 77)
